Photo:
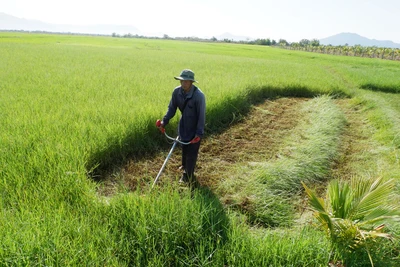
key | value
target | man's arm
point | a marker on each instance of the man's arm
(171, 110)
(201, 111)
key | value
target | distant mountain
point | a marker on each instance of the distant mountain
(8, 22)
(352, 39)
(232, 37)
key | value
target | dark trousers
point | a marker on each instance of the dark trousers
(189, 159)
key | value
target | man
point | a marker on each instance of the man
(191, 102)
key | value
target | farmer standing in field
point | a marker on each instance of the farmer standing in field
(191, 102)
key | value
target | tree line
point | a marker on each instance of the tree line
(303, 45)
(344, 50)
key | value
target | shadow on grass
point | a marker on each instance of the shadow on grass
(169, 227)
(145, 140)
(395, 89)
(213, 231)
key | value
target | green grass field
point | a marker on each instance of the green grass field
(73, 107)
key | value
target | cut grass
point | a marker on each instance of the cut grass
(309, 151)
(234, 173)
(306, 155)
(383, 112)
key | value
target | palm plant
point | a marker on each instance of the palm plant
(354, 214)
(380, 52)
(358, 49)
(397, 54)
(370, 51)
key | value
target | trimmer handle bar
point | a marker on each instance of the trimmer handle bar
(162, 129)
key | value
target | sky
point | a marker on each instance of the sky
(288, 19)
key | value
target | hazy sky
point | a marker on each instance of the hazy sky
(288, 19)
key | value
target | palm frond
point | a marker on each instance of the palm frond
(340, 197)
(374, 200)
(371, 222)
(375, 234)
(316, 203)
(353, 210)
(318, 206)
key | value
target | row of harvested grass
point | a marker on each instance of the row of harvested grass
(306, 155)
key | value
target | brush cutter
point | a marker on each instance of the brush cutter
(175, 141)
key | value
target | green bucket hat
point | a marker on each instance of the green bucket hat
(186, 75)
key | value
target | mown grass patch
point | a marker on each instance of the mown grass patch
(306, 155)
(383, 111)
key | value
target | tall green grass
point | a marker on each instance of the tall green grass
(73, 106)
(296, 247)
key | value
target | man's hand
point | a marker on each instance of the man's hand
(195, 140)
(160, 126)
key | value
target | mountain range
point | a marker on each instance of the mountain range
(353, 39)
(8, 22)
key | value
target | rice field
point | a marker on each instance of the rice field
(74, 107)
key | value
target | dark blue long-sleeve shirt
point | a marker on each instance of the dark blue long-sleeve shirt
(193, 117)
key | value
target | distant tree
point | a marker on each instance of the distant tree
(374, 50)
(346, 50)
(314, 42)
(396, 54)
(165, 36)
(283, 42)
(273, 42)
(358, 50)
(304, 42)
(339, 48)
(294, 45)
(214, 39)
(321, 48)
(384, 51)
(379, 52)
(263, 42)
